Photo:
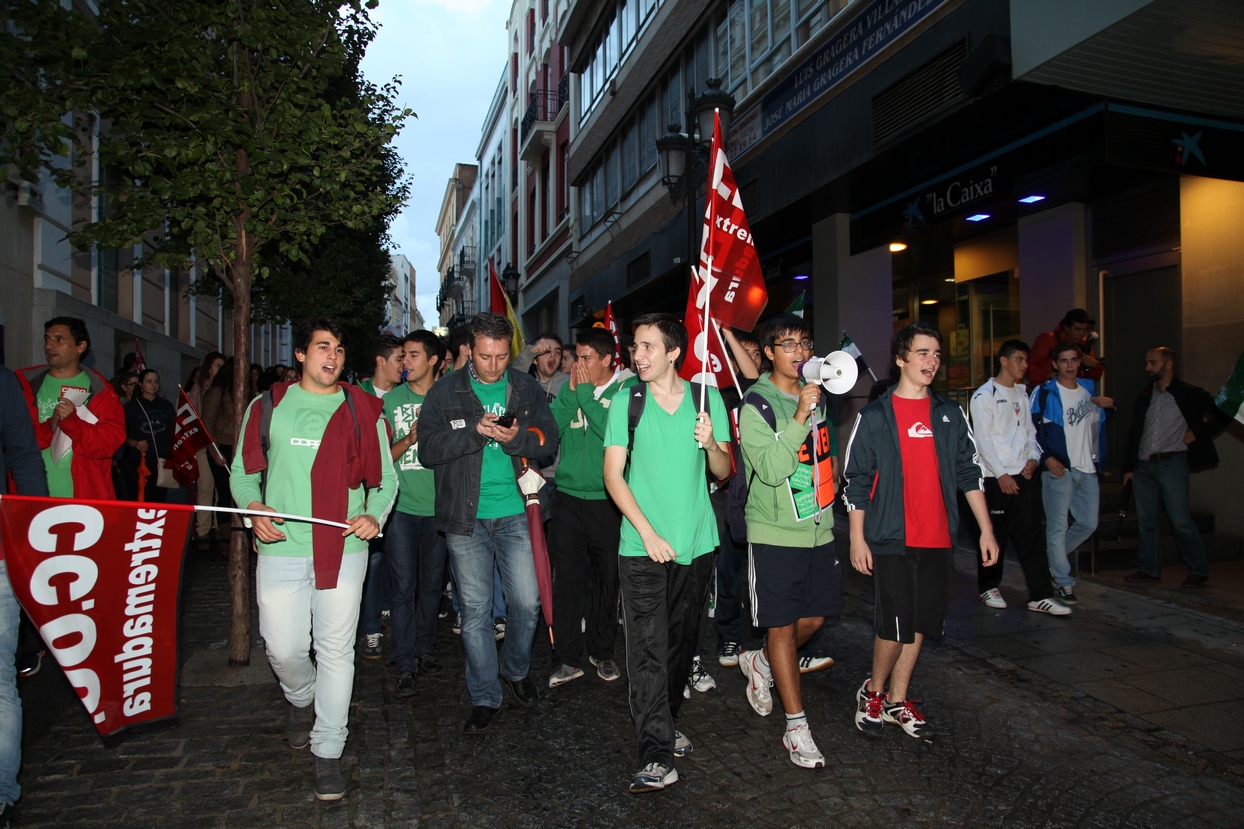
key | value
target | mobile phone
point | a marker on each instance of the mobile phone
(507, 420)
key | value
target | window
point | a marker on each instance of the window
(613, 177)
(648, 136)
(630, 162)
(758, 23)
(598, 193)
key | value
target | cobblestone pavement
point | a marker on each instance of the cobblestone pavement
(1017, 746)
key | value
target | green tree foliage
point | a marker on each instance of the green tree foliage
(227, 135)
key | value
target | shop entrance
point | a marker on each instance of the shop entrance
(974, 317)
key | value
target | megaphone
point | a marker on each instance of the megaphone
(835, 372)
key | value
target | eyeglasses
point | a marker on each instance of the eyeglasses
(790, 345)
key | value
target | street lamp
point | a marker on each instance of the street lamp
(684, 157)
(509, 279)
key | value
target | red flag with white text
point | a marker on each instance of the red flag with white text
(140, 365)
(189, 436)
(100, 581)
(738, 285)
(706, 352)
(611, 325)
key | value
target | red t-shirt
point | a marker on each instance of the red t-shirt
(924, 510)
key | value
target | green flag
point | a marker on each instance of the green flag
(1231, 399)
(796, 307)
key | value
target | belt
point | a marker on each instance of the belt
(1164, 456)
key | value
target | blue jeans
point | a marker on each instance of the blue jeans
(498, 595)
(10, 702)
(377, 589)
(415, 553)
(503, 543)
(296, 617)
(1164, 483)
(1075, 492)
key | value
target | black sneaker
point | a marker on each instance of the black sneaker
(329, 784)
(405, 685)
(298, 724)
(429, 665)
(1066, 595)
(371, 646)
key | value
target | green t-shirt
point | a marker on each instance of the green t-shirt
(60, 478)
(498, 489)
(416, 494)
(297, 427)
(667, 475)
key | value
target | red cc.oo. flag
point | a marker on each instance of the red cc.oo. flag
(100, 581)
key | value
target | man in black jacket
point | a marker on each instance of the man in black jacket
(476, 425)
(909, 451)
(1173, 428)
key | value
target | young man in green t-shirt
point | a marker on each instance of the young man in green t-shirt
(668, 528)
(327, 456)
(583, 532)
(386, 357)
(414, 551)
(794, 575)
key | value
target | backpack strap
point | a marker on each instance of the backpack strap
(634, 411)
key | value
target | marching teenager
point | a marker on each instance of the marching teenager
(668, 532)
(794, 575)
(909, 450)
(325, 454)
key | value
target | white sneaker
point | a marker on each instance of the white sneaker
(700, 678)
(758, 682)
(1050, 606)
(812, 664)
(993, 598)
(682, 744)
(803, 751)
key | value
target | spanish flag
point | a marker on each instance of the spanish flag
(500, 303)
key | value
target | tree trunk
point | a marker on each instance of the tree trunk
(239, 554)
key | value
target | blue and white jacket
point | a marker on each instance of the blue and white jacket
(1049, 418)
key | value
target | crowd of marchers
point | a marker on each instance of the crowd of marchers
(664, 504)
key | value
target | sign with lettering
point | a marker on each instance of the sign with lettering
(100, 581)
(812, 487)
(865, 35)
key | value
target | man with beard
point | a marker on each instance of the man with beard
(1173, 428)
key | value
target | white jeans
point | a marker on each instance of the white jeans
(294, 617)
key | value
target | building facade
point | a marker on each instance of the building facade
(542, 223)
(494, 193)
(980, 165)
(456, 302)
(402, 313)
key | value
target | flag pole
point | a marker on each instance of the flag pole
(704, 327)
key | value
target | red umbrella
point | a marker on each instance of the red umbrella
(529, 483)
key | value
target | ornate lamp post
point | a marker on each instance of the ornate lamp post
(684, 156)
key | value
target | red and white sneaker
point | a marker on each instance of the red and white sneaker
(868, 712)
(906, 715)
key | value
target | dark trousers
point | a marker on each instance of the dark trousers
(583, 552)
(1017, 517)
(660, 611)
(415, 555)
(731, 565)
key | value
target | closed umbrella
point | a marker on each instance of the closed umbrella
(143, 474)
(529, 483)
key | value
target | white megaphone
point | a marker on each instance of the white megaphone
(835, 372)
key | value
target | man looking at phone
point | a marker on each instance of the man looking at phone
(475, 428)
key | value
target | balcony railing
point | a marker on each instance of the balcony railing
(466, 261)
(563, 91)
(540, 109)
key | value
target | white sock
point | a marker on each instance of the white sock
(793, 721)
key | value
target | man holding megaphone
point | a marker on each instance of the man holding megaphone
(793, 570)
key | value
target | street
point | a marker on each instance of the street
(1126, 713)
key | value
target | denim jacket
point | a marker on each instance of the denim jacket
(450, 444)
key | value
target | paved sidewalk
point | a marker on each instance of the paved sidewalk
(1126, 713)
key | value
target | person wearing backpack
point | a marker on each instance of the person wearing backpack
(315, 447)
(668, 533)
(794, 575)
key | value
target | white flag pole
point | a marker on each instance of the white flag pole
(266, 514)
(704, 361)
